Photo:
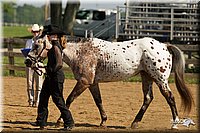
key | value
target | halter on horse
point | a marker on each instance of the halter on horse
(94, 60)
(35, 57)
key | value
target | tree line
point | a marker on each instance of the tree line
(26, 14)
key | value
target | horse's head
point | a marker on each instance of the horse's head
(40, 48)
(38, 52)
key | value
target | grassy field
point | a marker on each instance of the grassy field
(191, 78)
(16, 31)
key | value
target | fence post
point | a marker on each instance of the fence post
(117, 24)
(91, 34)
(172, 24)
(86, 32)
(11, 58)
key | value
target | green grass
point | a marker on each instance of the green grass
(15, 31)
(18, 60)
(189, 78)
(23, 74)
(137, 78)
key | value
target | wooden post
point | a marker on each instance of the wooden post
(46, 11)
(189, 57)
(11, 58)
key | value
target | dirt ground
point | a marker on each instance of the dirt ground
(121, 100)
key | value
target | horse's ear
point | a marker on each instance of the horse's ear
(63, 41)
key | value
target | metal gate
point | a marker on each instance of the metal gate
(171, 22)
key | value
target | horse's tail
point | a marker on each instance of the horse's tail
(178, 63)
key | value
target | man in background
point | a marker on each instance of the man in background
(31, 76)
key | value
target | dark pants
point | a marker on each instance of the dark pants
(52, 88)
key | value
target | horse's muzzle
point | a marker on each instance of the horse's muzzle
(28, 62)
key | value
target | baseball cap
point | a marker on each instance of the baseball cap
(35, 27)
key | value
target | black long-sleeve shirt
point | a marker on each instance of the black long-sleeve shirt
(55, 63)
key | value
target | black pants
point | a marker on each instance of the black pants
(52, 88)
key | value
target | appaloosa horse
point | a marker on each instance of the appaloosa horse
(93, 61)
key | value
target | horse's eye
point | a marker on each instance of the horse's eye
(40, 41)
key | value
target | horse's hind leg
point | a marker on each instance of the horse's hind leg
(147, 82)
(94, 89)
(166, 92)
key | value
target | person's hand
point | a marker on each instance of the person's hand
(28, 62)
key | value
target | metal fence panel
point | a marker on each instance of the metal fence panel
(167, 22)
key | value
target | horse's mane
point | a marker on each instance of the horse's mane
(76, 39)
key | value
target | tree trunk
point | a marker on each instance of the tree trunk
(56, 13)
(70, 15)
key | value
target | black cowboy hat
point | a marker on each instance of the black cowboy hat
(52, 30)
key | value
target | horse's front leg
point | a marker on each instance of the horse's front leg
(79, 88)
(94, 89)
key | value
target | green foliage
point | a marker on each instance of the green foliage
(26, 14)
(8, 11)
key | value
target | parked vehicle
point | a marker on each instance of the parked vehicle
(97, 23)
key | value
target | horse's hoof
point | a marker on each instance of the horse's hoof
(103, 125)
(59, 123)
(174, 127)
(134, 125)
